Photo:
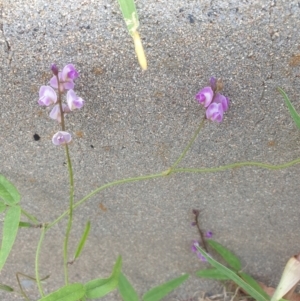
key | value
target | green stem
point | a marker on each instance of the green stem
(177, 170)
(37, 276)
(236, 165)
(189, 145)
(115, 183)
(69, 226)
(29, 216)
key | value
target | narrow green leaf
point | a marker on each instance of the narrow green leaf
(251, 281)
(98, 288)
(129, 14)
(70, 292)
(8, 192)
(2, 207)
(291, 108)
(9, 233)
(126, 290)
(228, 256)
(30, 217)
(6, 288)
(25, 225)
(158, 292)
(234, 277)
(211, 274)
(83, 240)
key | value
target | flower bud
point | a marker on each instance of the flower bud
(54, 69)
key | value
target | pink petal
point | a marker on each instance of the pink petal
(205, 96)
(47, 96)
(61, 138)
(215, 112)
(74, 102)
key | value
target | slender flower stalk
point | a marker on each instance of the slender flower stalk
(37, 254)
(189, 145)
(71, 197)
(69, 226)
(60, 106)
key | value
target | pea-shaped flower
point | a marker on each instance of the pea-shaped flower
(205, 96)
(224, 101)
(66, 77)
(61, 138)
(214, 102)
(74, 101)
(215, 112)
(56, 114)
(47, 96)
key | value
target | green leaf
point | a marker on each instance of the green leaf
(126, 289)
(129, 14)
(98, 288)
(8, 192)
(291, 108)
(6, 288)
(211, 274)
(83, 240)
(70, 292)
(234, 277)
(158, 292)
(228, 256)
(251, 281)
(25, 225)
(2, 207)
(9, 233)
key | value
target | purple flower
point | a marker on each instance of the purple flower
(219, 98)
(194, 249)
(213, 83)
(61, 138)
(74, 102)
(205, 96)
(54, 69)
(208, 234)
(56, 114)
(47, 96)
(195, 244)
(66, 78)
(215, 112)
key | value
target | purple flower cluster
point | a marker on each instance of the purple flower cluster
(196, 244)
(64, 82)
(214, 102)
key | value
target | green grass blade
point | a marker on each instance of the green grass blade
(126, 290)
(251, 281)
(234, 277)
(83, 240)
(159, 292)
(9, 232)
(71, 292)
(212, 274)
(227, 255)
(98, 288)
(129, 14)
(8, 192)
(291, 108)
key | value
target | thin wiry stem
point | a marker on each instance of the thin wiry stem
(37, 254)
(115, 183)
(69, 226)
(189, 145)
